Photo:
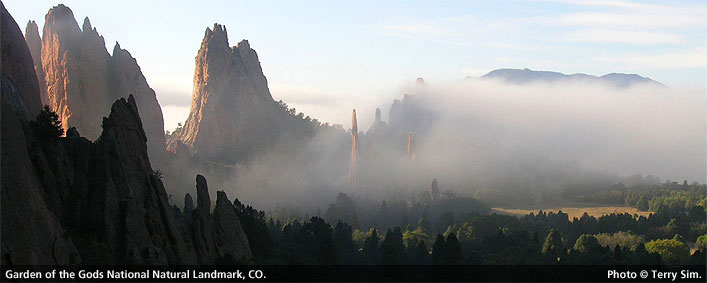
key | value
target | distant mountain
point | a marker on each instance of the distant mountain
(518, 76)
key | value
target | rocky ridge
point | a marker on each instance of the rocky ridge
(79, 79)
(68, 200)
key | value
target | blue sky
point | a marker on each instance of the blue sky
(325, 56)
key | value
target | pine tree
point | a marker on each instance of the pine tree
(553, 244)
(438, 250)
(452, 251)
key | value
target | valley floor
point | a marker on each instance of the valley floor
(573, 211)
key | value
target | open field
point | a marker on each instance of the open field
(572, 212)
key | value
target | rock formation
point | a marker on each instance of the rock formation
(188, 204)
(411, 146)
(354, 146)
(80, 80)
(17, 68)
(233, 115)
(434, 190)
(67, 200)
(230, 101)
(102, 202)
(378, 127)
(219, 236)
(31, 233)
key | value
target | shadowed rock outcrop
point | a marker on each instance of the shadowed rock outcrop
(218, 238)
(17, 68)
(67, 200)
(378, 128)
(79, 79)
(31, 233)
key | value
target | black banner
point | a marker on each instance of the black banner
(361, 273)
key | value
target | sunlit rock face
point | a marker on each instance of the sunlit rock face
(411, 146)
(79, 79)
(233, 114)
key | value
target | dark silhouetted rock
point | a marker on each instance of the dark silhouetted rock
(231, 240)
(188, 204)
(218, 237)
(69, 200)
(17, 67)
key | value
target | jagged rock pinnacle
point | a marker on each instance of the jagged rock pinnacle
(411, 146)
(86, 25)
(354, 145)
(434, 190)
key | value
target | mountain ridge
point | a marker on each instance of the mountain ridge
(524, 76)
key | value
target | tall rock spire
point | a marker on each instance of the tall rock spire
(34, 42)
(434, 190)
(354, 146)
(232, 114)
(411, 146)
(80, 80)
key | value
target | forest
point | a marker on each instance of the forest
(456, 230)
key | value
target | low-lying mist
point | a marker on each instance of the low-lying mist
(486, 139)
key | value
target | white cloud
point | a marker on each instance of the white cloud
(692, 58)
(621, 36)
(631, 22)
(665, 17)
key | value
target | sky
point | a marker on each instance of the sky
(325, 56)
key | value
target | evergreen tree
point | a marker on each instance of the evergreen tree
(438, 250)
(586, 244)
(392, 248)
(371, 250)
(452, 251)
(47, 124)
(618, 255)
(320, 233)
(425, 224)
(344, 244)
(553, 244)
(421, 253)
(259, 238)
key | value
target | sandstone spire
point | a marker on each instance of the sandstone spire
(411, 146)
(233, 114)
(378, 127)
(434, 190)
(80, 80)
(34, 42)
(354, 145)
